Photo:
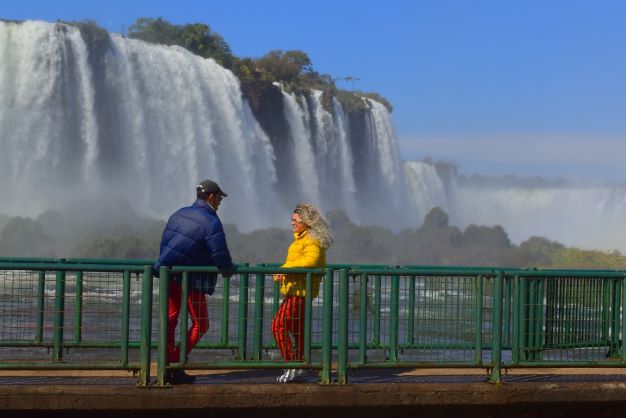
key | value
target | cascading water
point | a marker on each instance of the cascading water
(575, 215)
(138, 122)
(303, 155)
(427, 188)
(119, 119)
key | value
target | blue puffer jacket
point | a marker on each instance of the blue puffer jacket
(194, 236)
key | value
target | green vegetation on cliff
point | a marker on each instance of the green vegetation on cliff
(292, 69)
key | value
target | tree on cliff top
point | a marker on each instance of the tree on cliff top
(195, 37)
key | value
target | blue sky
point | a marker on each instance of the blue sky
(529, 88)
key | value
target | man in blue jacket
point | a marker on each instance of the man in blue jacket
(193, 236)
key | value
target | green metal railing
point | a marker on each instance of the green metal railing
(112, 314)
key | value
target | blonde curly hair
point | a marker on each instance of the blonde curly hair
(316, 223)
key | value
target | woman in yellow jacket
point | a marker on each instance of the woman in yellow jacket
(312, 237)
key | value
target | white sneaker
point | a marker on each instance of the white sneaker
(283, 378)
(290, 375)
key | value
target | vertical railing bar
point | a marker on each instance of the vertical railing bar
(342, 330)
(395, 313)
(623, 348)
(507, 312)
(59, 317)
(604, 313)
(41, 294)
(308, 317)
(478, 318)
(146, 327)
(327, 327)
(259, 293)
(78, 308)
(616, 315)
(377, 308)
(183, 319)
(164, 277)
(496, 347)
(411, 313)
(363, 319)
(516, 321)
(225, 310)
(242, 326)
(532, 310)
(125, 317)
(539, 319)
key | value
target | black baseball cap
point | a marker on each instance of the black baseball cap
(209, 186)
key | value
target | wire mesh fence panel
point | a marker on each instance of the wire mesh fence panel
(68, 317)
(569, 319)
(25, 315)
(244, 333)
(415, 318)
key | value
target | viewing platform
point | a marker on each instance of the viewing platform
(88, 337)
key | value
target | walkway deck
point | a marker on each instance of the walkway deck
(378, 393)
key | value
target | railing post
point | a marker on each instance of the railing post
(538, 331)
(506, 337)
(146, 327)
(496, 344)
(478, 318)
(125, 317)
(342, 330)
(377, 306)
(532, 310)
(327, 327)
(623, 350)
(225, 310)
(363, 319)
(41, 293)
(615, 327)
(183, 319)
(517, 310)
(59, 316)
(164, 277)
(259, 293)
(308, 318)
(522, 319)
(395, 315)
(78, 308)
(242, 326)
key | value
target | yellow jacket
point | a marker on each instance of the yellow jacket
(303, 252)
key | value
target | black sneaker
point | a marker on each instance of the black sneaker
(180, 377)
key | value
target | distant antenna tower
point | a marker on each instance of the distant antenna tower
(352, 78)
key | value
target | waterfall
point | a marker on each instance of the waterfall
(322, 152)
(302, 150)
(138, 122)
(576, 215)
(427, 188)
(116, 119)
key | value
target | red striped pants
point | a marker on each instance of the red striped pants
(288, 325)
(197, 309)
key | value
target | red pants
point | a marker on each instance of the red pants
(197, 308)
(287, 324)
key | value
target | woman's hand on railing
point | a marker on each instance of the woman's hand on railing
(278, 277)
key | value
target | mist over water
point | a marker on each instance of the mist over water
(591, 217)
(122, 120)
